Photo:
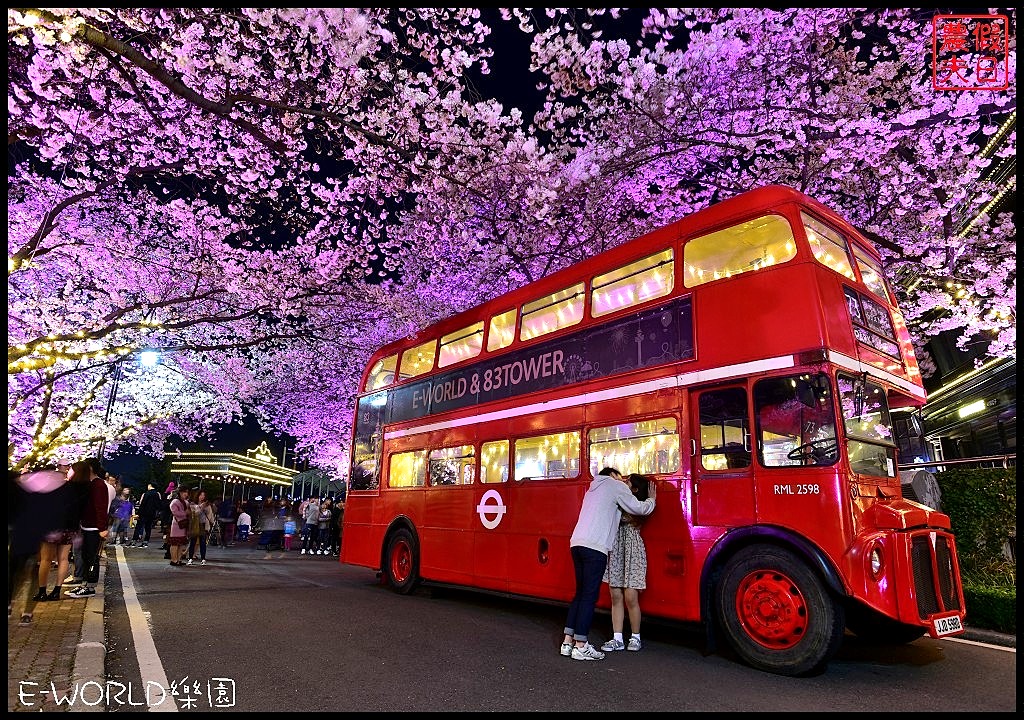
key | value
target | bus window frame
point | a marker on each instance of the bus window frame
(514, 446)
(515, 332)
(845, 236)
(784, 211)
(887, 296)
(441, 344)
(674, 416)
(423, 474)
(459, 481)
(592, 288)
(583, 293)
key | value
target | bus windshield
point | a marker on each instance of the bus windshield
(869, 437)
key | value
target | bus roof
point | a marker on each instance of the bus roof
(725, 212)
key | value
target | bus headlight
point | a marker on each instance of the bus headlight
(876, 561)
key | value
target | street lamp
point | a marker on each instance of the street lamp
(148, 359)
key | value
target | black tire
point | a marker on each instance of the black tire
(872, 627)
(776, 613)
(402, 562)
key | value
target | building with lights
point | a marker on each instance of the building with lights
(972, 410)
(256, 474)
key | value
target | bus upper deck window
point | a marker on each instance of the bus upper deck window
(502, 331)
(633, 284)
(383, 373)
(871, 273)
(461, 345)
(418, 360)
(828, 246)
(552, 312)
(753, 245)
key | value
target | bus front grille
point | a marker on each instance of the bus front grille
(934, 575)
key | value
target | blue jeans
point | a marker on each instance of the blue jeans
(311, 538)
(143, 529)
(589, 565)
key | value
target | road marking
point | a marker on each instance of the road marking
(150, 667)
(980, 644)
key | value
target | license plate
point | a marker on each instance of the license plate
(947, 625)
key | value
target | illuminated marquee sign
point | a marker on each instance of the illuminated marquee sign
(262, 453)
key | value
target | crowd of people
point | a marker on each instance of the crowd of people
(61, 518)
(68, 512)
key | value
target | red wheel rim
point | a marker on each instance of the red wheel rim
(771, 609)
(401, 561)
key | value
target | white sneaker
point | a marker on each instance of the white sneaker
(565, 650)
(303, 551)
(189, 561)
(613, 645)
(202, 562)
(634, 644)
(587, 652)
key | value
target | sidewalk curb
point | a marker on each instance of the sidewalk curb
(990, 636)
(91, 653)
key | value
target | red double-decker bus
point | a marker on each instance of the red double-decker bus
(747, 357)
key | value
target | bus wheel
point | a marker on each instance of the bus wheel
(875, 628)
(402, 563)
(776, 613)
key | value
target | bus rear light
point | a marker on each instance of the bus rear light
(876, 561)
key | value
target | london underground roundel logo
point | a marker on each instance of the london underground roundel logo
(490, 515)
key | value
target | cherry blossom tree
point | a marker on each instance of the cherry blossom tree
(216, 184)
(834, 102)
(269, 195)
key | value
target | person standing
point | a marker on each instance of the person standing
(226, 517)
(592, 539)
(626, 573)
(122, 509)
(204, 510)
(31, 518)
(149, 506)
(93, 526)
(337, 515)
(177, 531)
(311, 532)
(323, 526)
(67, 505)
(114, 490)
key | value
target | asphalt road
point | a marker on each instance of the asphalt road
(307, 634)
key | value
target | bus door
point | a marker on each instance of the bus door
(490, 524)
(723, 479)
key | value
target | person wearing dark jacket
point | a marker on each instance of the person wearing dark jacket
(94, 530)
(36, 505)
(226, 516)
(151, 504)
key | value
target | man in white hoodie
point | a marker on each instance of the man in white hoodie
(608, 495)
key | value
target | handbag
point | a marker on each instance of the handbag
(183, 522)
